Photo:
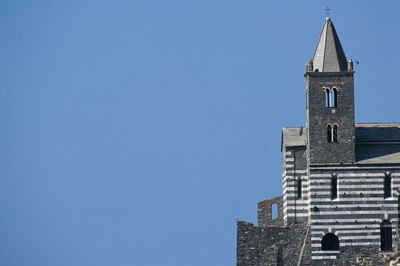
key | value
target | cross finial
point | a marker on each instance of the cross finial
(327, 9)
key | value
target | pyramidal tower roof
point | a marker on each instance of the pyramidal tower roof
(329, 55)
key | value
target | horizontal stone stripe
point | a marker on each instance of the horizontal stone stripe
(355, 167)
(297, 214)
(322, 225)
(352, 187)
(345, 200)
(349, 227)
(302, 175)
(348, 175)
(350, 183)
(329, 257)
(353, 214)
(291, 189)
(298, 210)
(348, 191)
(293, 197)
(341, 238)
(376, 232)
(292, 177)
(350, 205)
(302, 204)
(293, 182)
(325, 252)
(351, 220)
(346, 195)
(296, 171)
(346, 243)
(341, 233)
(346, 226)
(346, 210)
(293, 185)
(347, 186)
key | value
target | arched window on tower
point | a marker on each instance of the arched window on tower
(334, 97)
(330, 242)
(327, 97)
(386, 236)
(329, 133)
(334, 133)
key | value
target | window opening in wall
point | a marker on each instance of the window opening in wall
(334, 187)
(299, 188)
(330, 242)
(387, 186)
(386, 236)
(274, 211)
(331, 97)
(334, 133)
(334, 98)
(327, 98)
(329, 133)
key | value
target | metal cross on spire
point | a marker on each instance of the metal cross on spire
(327, 9)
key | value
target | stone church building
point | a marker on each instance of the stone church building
(341, 179)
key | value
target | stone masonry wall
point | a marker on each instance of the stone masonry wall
(319, 116)
(259, 246)
(275, 245)
(265, 212)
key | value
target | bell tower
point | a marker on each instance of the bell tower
(330, 102)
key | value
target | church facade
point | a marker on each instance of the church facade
(341, 180)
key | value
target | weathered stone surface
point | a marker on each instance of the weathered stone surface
(257, 245)
(265, 212)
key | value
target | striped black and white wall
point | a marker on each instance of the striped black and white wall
(357, 213)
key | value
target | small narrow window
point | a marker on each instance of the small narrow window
(329, 133)
(327, 98)
(299, 192)
(334, 97)
(334, 133)
(387, 186)
(274, 211)
(334, 187)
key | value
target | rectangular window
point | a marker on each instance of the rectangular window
(334, 134)
(299, 192)
(388, 187)
(329, 133)
(334, 187)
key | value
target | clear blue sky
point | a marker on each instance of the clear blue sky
(137, 132)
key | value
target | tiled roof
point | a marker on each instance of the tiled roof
(378, 143)
(382, 132)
